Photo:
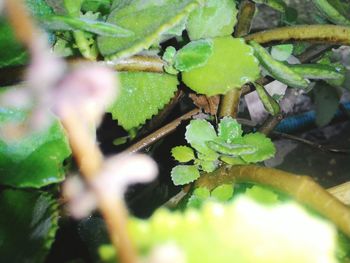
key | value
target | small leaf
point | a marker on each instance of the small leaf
(198, 132)
(28, 224)
(35, 160)
(262, 195)
(184, 174)
(231, 65)
(207, 166)
(142, 95)
(198, 197)
(282, 52)
(265, 149)
(270, 104)
(148, 20)
(195, 54)
(183, 154)
(229, 129)
(215, 18)
(223, 192)
(327, 103)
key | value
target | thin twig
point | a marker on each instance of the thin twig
(271, 123)
(312, 144)
(161, 133)
(302, 188)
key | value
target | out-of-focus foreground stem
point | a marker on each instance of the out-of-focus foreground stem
(302, 188)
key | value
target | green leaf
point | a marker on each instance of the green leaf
(184, 174)
(195, 54)
(229, 129)
(262, 195)
(182, 154)
(39, 8)
(336, 11)
(270, 104)
(326, 102)
(35, 160)
(198, 197)
(66, 23)
(282, 52)
(232, 160)
(223, 192)
(231, 149)
(28, 224)
(141, 96)
(148, 20)
(265, 149)
(207, 166)
(198, 132)
(231, 65)
(102, 6)
(215, 18)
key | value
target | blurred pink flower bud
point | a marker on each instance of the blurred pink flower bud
(120, 171)
(89, 90)
(80, 201)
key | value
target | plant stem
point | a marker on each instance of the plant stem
(246, 14)
(230, 102)
(271, 123)
(86, 49)
(302, 188)
(90, 159)
(161, 133)
(330, 34)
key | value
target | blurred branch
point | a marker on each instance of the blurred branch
(245, 16)
(302, 188)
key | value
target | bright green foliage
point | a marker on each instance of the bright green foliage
(231, 65)
(238, 232)
(184, 174)
(147, 20)
(198, 197)
(277, 69)
(215, 18)
(223, 192)
(102, 6)
(282, 52)
(183, 154)
(35, 160)
(142, 95)
(336, 11)
(229, 147)
(264, 147)
(326, 102)
(28, 224)
(229, 129)
(39, 7)
(198, 132)
(262, 195)
(195, 54)
(67, 23)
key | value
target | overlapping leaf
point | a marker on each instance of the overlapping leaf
(142, 96)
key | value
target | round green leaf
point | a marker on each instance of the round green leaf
(182, 154)
(229, 129)
(184, 174)
(28, 224)
(215, 18)
(265, 149)
(198, 132)
(195, 54)
(282, 52)
(223, 192)
(231, 65)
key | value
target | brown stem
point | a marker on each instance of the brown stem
(161, 133)
(330, 34)
(245, 17)
(90, 159)
(271, 123)
(230, 102)
(302, 188)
